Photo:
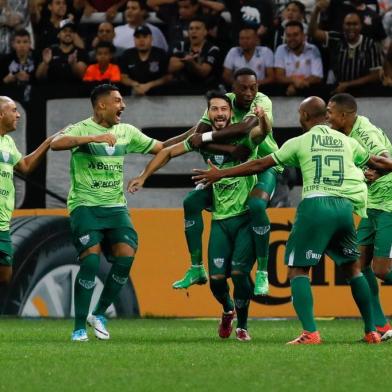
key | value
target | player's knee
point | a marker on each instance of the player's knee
(123, 250)
(95, 249)
(293, 272)
(89, 264)
(381, 270)
(5, 275)
(193, 204)
(217, 283)
(257, 205)
(351, 270)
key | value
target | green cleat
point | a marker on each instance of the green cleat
(194, 275)
(261, 283)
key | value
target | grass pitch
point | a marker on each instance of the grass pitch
(187, 355)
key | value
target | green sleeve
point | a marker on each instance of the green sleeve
(187, 145)
(287, 155)
(376, 142)
(72, 130)
(139, 142)
(360, 155)
(204, 119)
(17, 155)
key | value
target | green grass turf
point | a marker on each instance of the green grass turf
(187, 355)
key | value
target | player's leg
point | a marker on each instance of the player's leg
(219, 256)
(257, 202)
(366, 233)
(6, 259)
(242, 262)
(194, 203)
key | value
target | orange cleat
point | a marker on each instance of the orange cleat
(385, 332)
(307, 337)
(372, 338)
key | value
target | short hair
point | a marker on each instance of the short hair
(300, 5)
(198, 19)
(193, 2)
(294, 23)
(21, 33)
(142, 4)
(105, 44)
(217, 94)
(248, 27)
(354, 12)
(346, 101)
(101, 90)
(244, 71)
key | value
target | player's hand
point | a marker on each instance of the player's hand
(142, 89)
(241, 153)
(108, 138)
(372, 175)
(207, 177)
(341, 87)
(196, 140)
(22, 76)
(135, 184)
(291, 90)
(111, 13)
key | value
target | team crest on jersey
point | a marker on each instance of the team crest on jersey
(84, 239)
(6, 155)
(154, 66)
(219, 262)
(110, 150)
(219, 159)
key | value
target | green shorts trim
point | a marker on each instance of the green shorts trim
(102, 225)
(266, 181)
(322, 225)
(376, 230)
(230, 247)
(6, 251)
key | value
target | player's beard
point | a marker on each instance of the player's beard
(221, 120)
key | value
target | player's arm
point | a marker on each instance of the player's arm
(160, 160)
(179, 138)
(214, 174)
(380, 163)
(67, 142)
(314, 30)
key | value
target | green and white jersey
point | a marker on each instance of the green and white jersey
(268, 145)
(328, 161)
(9, 157)
(97, 168)
(376, 142)
(230, 195)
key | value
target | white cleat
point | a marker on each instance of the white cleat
(79, 336)
(99, 325)
(386, 336)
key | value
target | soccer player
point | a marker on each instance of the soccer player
(333, 189)
(375, 231)
(244, 98)
(10, 160)
(99, 216)
(231, 250)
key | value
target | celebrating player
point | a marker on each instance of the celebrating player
(10, 159)
(375, 231)
(333, 188)
(231, 250)
(96, 202)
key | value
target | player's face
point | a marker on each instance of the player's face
(9, 116)
(22, 45)
(105, 32)
(66, 36)
(352, 27)
(197, 32)
(112, 106)
(292, 12)
(245, 89)
(295, 37)
(186, 10)
(219, 113)
(134, 13)
(248, 39)
(103, 56)
(58, 7)
(335, 117)
(143, 43)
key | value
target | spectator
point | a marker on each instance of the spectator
(386, 72)
(135, 16)
(105, 33)
(109, 7)
(103, 70)
(63, 62)
(195, 62)
(14, 15)
(249, 55)
(144, 67)
(20, 66)
(356, 58)
(298, 64)
(48, 28)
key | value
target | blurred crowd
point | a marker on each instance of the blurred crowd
(190, 46)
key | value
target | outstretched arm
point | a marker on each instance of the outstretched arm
(67, 142)
(160, 160)
(208, 177)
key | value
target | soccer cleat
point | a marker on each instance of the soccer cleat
(385, 332)
(307, 337)
(226, 324)
(242, 335)
(79, 335)
(194, 275)
(372, 337)
(99, 325)
(261, 283)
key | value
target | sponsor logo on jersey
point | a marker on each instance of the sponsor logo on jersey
(219, 262)
(105, 184)
(312, 255)
(84, 239)
(110, 150)
(98, 165)
(87, 284)
(6, 174)
(6, 155)
(219, 159)
(261, 230)
(327, 141)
